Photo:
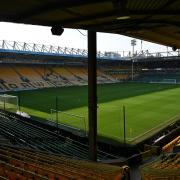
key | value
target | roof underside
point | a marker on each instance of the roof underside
(153, 20)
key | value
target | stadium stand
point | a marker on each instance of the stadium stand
(62, 71)
(165, 167)
(119, 73)
(24, 77)
(103, 78)
(30, 135)
(9, 78)
(54, 78)
(20, 78)
(79, 74)
(21, 163)
(28, 74)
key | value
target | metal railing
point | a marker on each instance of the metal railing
(66, 51)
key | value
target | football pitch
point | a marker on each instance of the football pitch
(148, 107)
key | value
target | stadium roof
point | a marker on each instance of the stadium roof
(152, 20)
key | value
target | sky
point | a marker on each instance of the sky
(72, 38)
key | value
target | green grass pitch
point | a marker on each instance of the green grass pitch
(148, 107)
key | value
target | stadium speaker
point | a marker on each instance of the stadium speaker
(57, 30)
(174, 48)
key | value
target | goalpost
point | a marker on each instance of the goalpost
(68, 119)
(9, 102)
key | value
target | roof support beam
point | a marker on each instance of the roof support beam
(92, 94)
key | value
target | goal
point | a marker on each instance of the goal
(9, 102)
(169, 81)
(165, 81)
(68, 119)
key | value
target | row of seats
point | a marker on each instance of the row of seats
(18, 163)
(36, 137)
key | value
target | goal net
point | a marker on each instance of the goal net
(8, 102)
(68, 119)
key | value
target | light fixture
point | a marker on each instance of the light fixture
(57, 30)
(174, 48)
(123, 17)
